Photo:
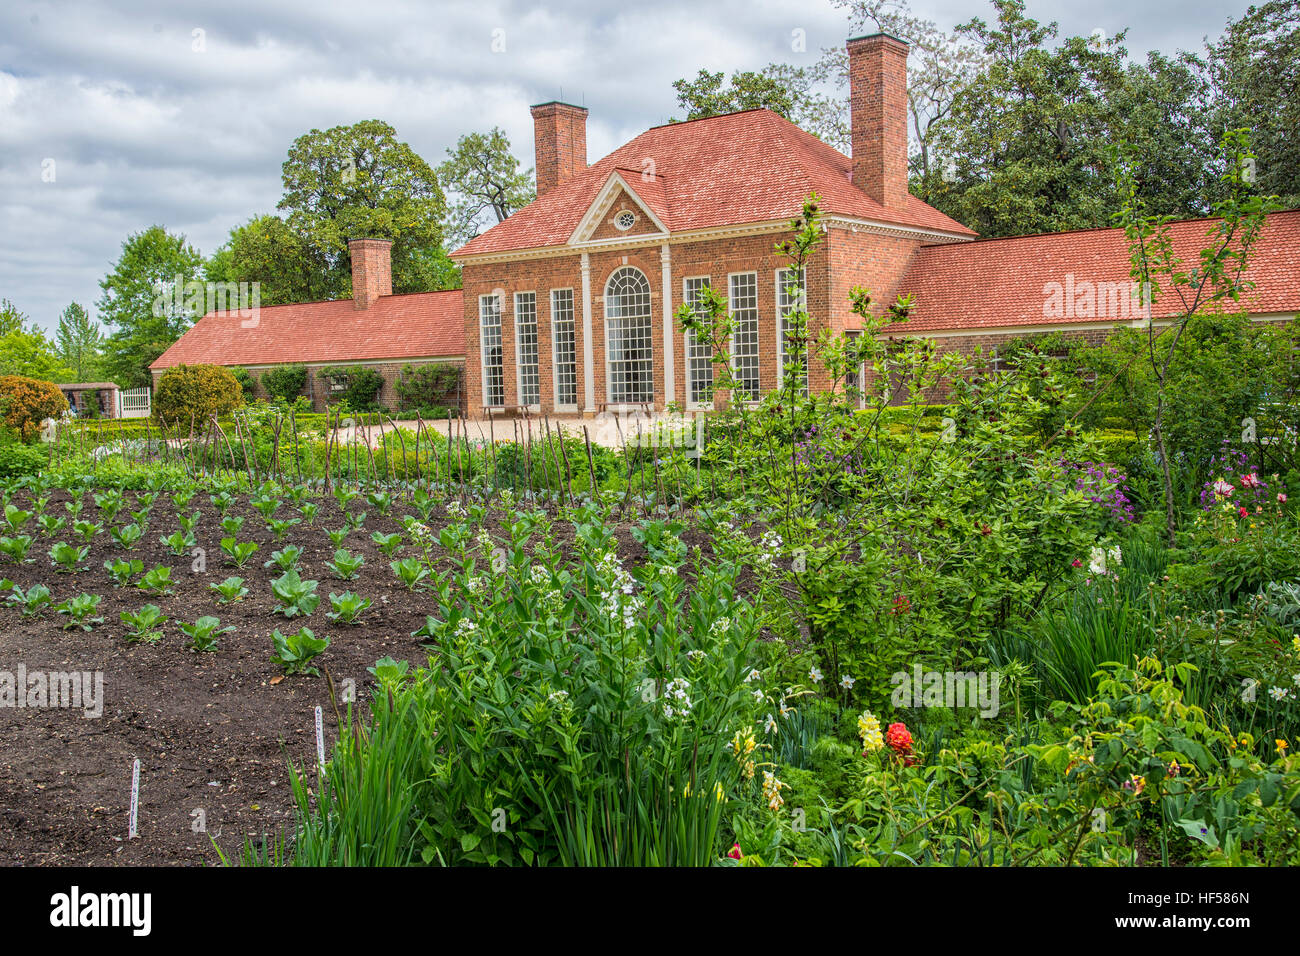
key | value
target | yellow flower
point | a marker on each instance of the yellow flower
(1282, 747)
(772, 788)
(869, 731)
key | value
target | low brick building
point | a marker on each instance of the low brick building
(569, 305)
(373, 329)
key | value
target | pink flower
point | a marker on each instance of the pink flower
(1223, 489)
(1281, 498)
(1250, 481)
(1076, 563)
(735, 853)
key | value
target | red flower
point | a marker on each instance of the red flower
(899, 739)
(901, 604)
(1076, 563)
(735, 853)
(1243, 512)
(985, 529)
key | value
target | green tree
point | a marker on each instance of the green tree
(1026, 144)
(145, 302)
(12, 319)
(360, 181)
(29, 352)
(80, 342)
(484, 178)
(1255, 67)
(266, 251)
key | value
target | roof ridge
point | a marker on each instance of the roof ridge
(1082, 229)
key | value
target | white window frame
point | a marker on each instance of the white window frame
(648, 337)
(687, 345)
(500, 376)
(781, 306)
(521, 366)
(555, 351)
(757, 335)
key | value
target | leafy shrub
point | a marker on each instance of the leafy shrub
(362, 391)
(436, 386)
(247, 384)
(285, 382)
(26, 402)
(195, 393)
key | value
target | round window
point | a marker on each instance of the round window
(625, 220)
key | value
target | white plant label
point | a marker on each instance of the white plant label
(133, 830)
(320, 739)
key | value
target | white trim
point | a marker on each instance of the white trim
(670, 366)
(588, 360)
(702, 235)
(758, 338)
(555, 358)
(778, 291)
(686, 352)
(428, 359)
(482, 352)
(537, 336)
(604, 308)
(601, 205)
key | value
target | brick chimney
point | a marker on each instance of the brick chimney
(560, 142)
(878, 103)
(372, 270)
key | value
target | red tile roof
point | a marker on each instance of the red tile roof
(997, 283)
(727, 170)
(417, 325)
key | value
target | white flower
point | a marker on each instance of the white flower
(770, 725)
(753, 676)
(695, 656)
(847, 682)
(558, 697)
(1280, 693)
(455, 509)
(720, 627)
(466, 627)
(815, 675)
(758, 696)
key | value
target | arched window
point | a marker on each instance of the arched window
(629, 341)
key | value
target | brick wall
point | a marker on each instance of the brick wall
(559, 143)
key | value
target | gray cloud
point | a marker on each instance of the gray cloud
(148, 121)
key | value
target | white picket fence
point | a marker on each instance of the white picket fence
(134, 403)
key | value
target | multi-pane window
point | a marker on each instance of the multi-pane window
(790, 297)
(743, 289)
(489, 317)
(629, 342)
(699, 353)
(565, 343)
(530, 392)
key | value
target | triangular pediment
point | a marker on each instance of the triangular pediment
(620, 211)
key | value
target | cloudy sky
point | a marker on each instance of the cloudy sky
(116, 116)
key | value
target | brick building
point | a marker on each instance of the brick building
(568, 306)
(373, 329)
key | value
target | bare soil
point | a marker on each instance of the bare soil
(212, 731)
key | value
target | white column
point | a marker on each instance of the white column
(588, 352)
(670, 372)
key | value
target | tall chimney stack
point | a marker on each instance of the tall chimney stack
(560, 142)
(878, 103)
(372, 270)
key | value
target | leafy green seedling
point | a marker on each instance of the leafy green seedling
(204, 632)
(67, 558)
(294, 652)
(239, 552)
(127, 536)
(158, 580)
(388, 543)
(16, 546)
(122, 570)
(345, 564)
(34, 600)
(285, 558)
(347, 607)
(79, 611)
(145, 625)
(410, 571)
(231, 590)
(296, 596)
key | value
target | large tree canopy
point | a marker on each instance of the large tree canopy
(143, 305)
(486, 183)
